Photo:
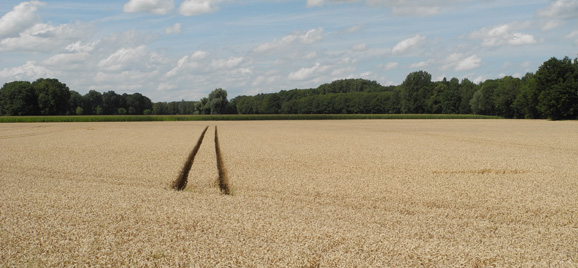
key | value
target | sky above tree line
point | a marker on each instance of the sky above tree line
(183, 49)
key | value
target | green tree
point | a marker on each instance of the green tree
(271, 104)
(217, 101)
(395, 101)
(202, 107)
(160, 108)
(467, 90)
(505, 95)
(74, 102)
(450, 98)
(526, 102)
(379, 102)
(182, 107)
(79, 111)
(338, 103)
(18, 98)
(52, 96)
(172, 108)
(482, 101)
(350, 85)
(186, 107)
(91, 101)
(450, 101)
(243, 104)
(111, 102)
(557, 81)
(137, 103)
(434, 103)
(414, 91)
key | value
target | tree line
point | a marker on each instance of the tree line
(48, 96)
(552, 92)
(215, 103)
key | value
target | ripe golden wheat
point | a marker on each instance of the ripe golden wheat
(359, 193)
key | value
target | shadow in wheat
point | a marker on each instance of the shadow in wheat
(223, 179)
(181, 182)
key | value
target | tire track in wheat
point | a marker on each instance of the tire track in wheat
(181, 182)
(223, 178)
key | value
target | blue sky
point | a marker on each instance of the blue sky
(183, 49)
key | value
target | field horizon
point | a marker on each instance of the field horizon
(306, 193)
(228, 117)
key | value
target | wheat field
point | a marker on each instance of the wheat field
(343, 193)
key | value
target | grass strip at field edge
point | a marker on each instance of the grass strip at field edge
(242, 117)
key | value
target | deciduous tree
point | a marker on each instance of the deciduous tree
(52, 96)
(557, 82)
(18, 98)
(217, 101)
(414, 91)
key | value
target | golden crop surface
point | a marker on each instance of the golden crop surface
(363, 193)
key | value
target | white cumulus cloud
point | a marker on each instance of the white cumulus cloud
(414, 7)
(68, 61)
(398, 7)
(462, 62)
(558, 13)
(469, 63)
(420, 64)
(304, 72)
(29, 71)
(163, 86)
(198, 7)
(175, 29)
(573, 35)
(160, 7)
(309, 37)
(415, 10)
(195, 60)
(226, 63)
(518, 39)
(45, 37)
(22, 17)
(502, 35)
(318, 3)
(80, 46)
(388, 66)
(391, 65)
(315, 3)
(359, 47)
(136, 58)
(408, 44)
(312, 36)
(21, 29)
(342, 72)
